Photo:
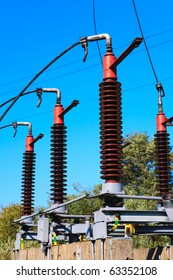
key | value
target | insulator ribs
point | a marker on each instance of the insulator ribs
(111, 130)
(163, 170)
(58, 163)
(28, 180)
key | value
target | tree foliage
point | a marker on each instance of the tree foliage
(139, 178)
(139, 171)
(8, 230)
(85, 206)
(7, 216)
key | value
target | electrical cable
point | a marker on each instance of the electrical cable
(148, 37)
(86, 68)
(83, 102)
(95, 29)
(161, 140)
(70, 73)
(6, 102)
(140, 27)
(36, 76)
(159, 33)
(93, 99)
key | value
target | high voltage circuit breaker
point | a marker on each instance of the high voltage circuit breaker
(113, 219)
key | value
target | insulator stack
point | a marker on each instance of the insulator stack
(58, 163)
(111, 124)
(163, 171)
(28, 178)
(58, 155)
(111, 130)
(162, 147)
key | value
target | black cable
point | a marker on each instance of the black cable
(96, 98)
(70, 73)
(140, 27)
(148, 37)
(76, 61)
(6, 102)
(95, 29)
(36, 76)
(159, 33)
(77, 71)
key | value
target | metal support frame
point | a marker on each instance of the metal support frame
(52, 227)
(130, 222)
(148, 222)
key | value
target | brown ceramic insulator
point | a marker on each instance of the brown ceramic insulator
(111, 130)
(163, 171)
(58, 163)
(28, 179)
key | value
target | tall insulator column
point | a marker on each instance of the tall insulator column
(58, 156)
(110, 129)
(162, 146)
(28, 177)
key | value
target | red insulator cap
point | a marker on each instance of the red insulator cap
(108, 60)
(161, 122)
(57, 111)
(29, 146)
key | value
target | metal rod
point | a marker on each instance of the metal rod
(135, 44)
(6, 126)
(37, 138)
(73, 104)
(128, 196)
(52, 208)
(140, 197)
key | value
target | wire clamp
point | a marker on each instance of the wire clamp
(84, 43)
(15, 128)
(39, 94)
(160, 89)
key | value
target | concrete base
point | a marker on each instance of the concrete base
(107, 249)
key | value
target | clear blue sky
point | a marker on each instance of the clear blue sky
(32, 34)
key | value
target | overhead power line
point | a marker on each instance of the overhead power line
(92, 100)
(140, 27)
(36, 76)
(95, 29)
(76, 71)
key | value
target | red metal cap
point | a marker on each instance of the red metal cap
(161, 122)
(29, 146)
(108, 61)
(57, 111)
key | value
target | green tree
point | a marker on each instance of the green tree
(139, 171)
(8, 230)
(85, 206)
(7, 216)
(139, 178)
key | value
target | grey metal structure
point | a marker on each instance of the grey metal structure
(146, 222)
(53, 226)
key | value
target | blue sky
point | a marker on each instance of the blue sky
(32, 34)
